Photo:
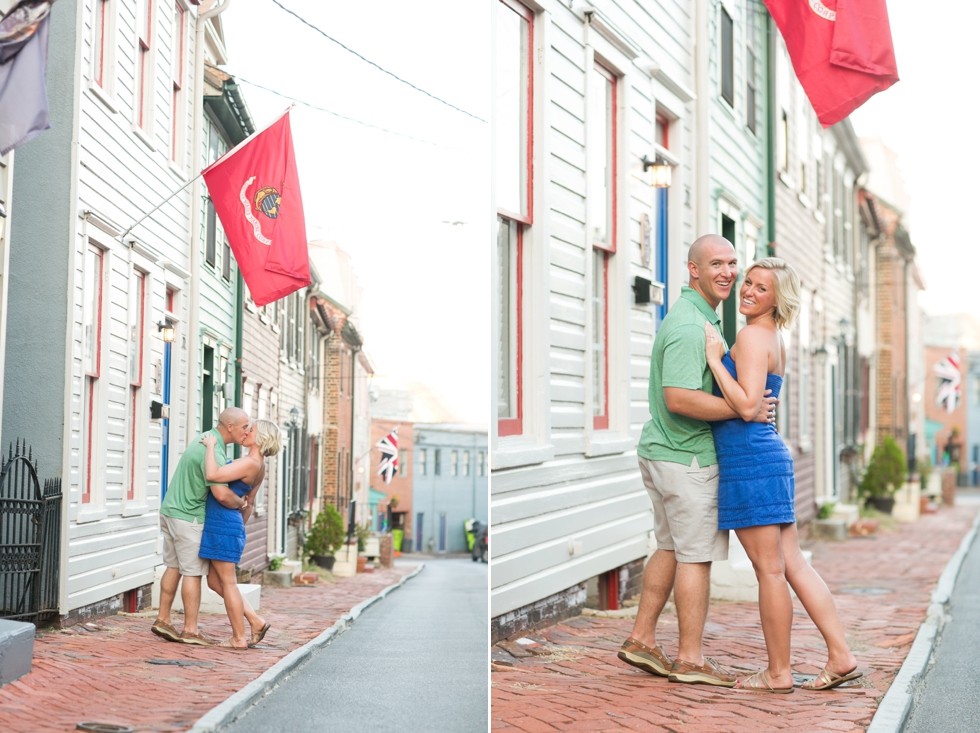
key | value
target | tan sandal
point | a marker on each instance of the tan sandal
(827, 680)
(258, 636)
(759, 683)
(230, 644)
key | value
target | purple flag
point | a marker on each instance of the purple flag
(23, 68)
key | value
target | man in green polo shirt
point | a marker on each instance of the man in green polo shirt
(680, 471)
(182, 523)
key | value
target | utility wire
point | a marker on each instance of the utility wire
(367, 60)
(337, 114)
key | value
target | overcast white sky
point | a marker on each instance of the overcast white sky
(384, 198)
(930, 119)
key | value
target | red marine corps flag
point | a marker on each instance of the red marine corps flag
(255, 190)
(841, 50)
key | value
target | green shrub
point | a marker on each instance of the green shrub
(363, 531)
(886, 471)
(826, 510)
(275, 564)
(327, 534)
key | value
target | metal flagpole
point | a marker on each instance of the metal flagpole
(122, 237)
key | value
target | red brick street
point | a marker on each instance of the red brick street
(99, 671)
(574, 682)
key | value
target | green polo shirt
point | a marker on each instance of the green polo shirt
(678, 360)
(187, 493)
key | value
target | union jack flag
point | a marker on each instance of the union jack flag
(948, 382)
(388, 465)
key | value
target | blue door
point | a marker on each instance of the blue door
(442, 532)
(418, 531)
(165, 438)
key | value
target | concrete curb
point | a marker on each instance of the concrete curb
(893, 712)
(226, 712)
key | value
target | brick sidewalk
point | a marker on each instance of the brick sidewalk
(98, 671)
(575, 682)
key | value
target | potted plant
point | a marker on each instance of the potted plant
(326, 535)
(885, 474)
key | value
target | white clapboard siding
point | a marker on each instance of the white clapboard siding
(121, 177)
(598, 503)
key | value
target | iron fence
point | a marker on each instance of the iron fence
(30, 538)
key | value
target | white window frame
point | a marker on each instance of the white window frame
(103, 42)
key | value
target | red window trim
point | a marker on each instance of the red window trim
(601, 422)
(93, 377)
(664, 121)
(515, 426)
(103, 6)
(140, 318)
(611, 76)
(144, 52)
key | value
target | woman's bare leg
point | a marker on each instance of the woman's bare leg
(214, 582)
(234, 603)
(818, 602)
(762, 545)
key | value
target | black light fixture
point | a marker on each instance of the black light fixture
(661, 170)
(168, 328)
(294, 418)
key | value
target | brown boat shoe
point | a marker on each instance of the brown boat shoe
(165, 630)
(198, 638)
(709, 673)
(650, 659)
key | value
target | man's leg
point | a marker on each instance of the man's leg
(168, 591)
(692, 588)
(190, 593)
(658, 581)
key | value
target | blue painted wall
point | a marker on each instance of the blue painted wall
(459, 497)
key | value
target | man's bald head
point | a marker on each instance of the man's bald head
(704, 248)
(233, 416)
(233, 425)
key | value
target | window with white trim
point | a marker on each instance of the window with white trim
(602, 203)
(727, 58)
(513, 175)
(465, 468)
(137, 422)
(92, 302)
(143, 81)
(177, 42)
(103, 45)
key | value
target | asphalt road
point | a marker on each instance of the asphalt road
(946, 698)
(416, 661)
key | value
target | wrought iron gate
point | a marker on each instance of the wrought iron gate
(30, 538)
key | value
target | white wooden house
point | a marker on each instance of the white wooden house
(582, 95)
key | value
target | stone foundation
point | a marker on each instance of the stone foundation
(546, 612)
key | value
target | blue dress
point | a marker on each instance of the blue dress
(223, 537)
(755, 469)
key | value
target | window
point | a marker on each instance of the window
(403, 463)
(137, 409)
(179, 35)
(466, 463)
(727, 58)
(102, 44)
(421, 462)
(782, 141)
(750, 101)
(661, 132)
(142, 99)
(211, 235)
(480, 464)
(838, 215)
(437, 461)
(602, 174)
(225, 259)
(454, 463)
(514, 194)
(91, 356)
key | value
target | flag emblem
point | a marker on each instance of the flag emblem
(267, 201)
(948, 382)
(388, 464)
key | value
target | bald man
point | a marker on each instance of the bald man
(182, 523)
(680, 472)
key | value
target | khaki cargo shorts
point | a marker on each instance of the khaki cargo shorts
(182, 545)
(685, 509)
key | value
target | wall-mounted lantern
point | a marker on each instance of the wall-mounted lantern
(661, 170)
(168, 329)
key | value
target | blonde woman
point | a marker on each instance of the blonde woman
(756, 487)
(223, 539)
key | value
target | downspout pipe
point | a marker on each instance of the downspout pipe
(193, 305)
(771, 134)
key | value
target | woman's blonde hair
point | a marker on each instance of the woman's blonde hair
(786, 288)
(267, 438)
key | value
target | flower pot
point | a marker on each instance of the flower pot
(324, 561)
(361, 563)
(883, 504)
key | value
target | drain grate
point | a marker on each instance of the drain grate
(867, 591)
(180, 662)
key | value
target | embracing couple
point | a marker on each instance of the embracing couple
(203, 518)
(712, 461)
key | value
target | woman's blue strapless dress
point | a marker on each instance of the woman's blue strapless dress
(755, 469)
(223, 537)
